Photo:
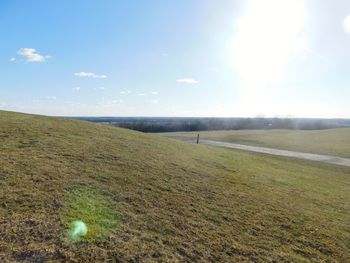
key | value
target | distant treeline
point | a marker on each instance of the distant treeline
(148, 124)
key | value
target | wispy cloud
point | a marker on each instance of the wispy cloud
(100, 88)
(12, 59)
(7, 106)
(141, 94)
(188, 81)
(154, 92)
(50, 97)
(110, 102)
(116, 101)
(31, 55)
(89, 75)
(346, 24)
(125, 92)
(77, 88)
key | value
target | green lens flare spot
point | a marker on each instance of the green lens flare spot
(78, 229)
(90, 214)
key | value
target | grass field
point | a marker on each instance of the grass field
(332, 141)
(146, 198)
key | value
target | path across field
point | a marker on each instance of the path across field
(307, 156)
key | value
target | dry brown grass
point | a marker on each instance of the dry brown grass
(175, 202)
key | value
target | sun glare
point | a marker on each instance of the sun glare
(267, 36)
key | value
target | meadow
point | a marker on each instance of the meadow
(329, 141)
(147, 198)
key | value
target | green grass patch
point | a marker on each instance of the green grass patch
(95, 208)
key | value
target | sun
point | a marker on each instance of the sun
(267, 35)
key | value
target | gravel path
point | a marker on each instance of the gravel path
(300, 155)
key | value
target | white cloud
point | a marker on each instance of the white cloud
(141, 94)
(125, 92)
(3, 104)
(32, 55)
(110, 102)
(50, 97)
(346, 24)
(99, 88)
(116, 101)
(154, 92)
(89, 75)
(7, 106)
(77, 88)
(188, 81)
(12, 59)
(154, 101)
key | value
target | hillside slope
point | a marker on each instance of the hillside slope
(152, 199)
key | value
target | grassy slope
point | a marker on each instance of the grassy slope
(332, 141)
(175, 201)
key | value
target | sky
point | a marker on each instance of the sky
(224, 58)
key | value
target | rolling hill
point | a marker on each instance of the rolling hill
(146, 198)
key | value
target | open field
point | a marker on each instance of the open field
(330, 142)
(146, 198)
(272, 151)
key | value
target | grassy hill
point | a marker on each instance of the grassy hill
(145, 198)
(331, 141)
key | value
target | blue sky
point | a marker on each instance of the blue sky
(176, 58)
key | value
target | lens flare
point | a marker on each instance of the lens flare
(78, 229)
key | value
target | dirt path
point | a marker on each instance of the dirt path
(300, 155)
